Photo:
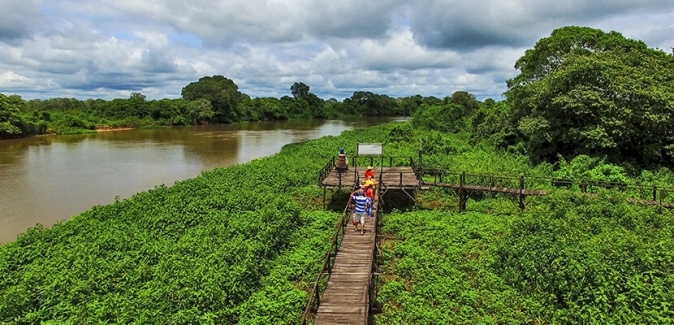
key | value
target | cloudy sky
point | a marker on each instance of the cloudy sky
(110, 48)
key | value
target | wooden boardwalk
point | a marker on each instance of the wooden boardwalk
(528, 192)
(346, 298)
(494, 189)
(392, 177)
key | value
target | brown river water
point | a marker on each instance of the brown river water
(45, 179)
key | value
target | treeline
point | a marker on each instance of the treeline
(213, 99)
(580, 91)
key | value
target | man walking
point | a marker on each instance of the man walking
(362, 203)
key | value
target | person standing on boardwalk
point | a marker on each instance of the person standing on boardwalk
(368, 188)
(361, 204)
(369, 173)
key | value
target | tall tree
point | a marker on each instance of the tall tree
(222, 92)
(299, 90)
(11, 123)
(583, 91)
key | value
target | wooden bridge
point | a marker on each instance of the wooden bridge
(347, 296)
(345, 291)
(401, 174)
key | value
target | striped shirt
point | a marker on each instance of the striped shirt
(361, 202)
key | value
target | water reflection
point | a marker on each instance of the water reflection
(49, 178)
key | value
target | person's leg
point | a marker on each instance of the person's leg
(362, 223)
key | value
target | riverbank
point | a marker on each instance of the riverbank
(50, 178)
(111, 129)
(243, 244)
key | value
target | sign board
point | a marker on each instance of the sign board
(370, 149)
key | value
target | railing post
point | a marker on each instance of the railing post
(318, 297)
(421, 164)
(334, 242)
(324, 197)
(371, 160)
(521, 193)
(462, 192)
(340, 180)
(401, 179)
(390, 161)
(583, 186)
(655, 193)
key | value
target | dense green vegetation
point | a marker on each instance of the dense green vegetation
(241, 245)
(569, 259)
(210, 100)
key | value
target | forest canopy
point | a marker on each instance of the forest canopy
(579, 91)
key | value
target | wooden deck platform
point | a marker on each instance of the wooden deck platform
(346, 300)
(392, 177)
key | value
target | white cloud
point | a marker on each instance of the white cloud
(110, 48)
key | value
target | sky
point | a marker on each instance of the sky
(111, 48)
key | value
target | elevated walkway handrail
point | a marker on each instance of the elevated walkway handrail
(327, 266)
(325, 171)
(376, 253)
(532, 183)
(382, 161)
(400, 174)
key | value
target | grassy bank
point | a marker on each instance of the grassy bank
(241, 245)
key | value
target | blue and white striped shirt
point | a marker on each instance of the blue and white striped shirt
(361, 202)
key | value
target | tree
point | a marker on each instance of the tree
(222, 93)
(440, 117)
(11, 123)
(299, 90)
(583, 91)
(549, 53)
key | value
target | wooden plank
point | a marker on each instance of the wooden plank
(389, 175)
(346, 295)
(340, 318)
(338, 308)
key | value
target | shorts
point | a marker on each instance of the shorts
(359, 217)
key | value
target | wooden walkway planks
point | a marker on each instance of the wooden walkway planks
(345, 300)
(392, 177)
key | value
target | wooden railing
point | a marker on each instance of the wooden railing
(381, 161)
(318, 289)
(531, 185)
(325, 171)
(372, 303)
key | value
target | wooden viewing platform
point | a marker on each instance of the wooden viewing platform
(346, 299)
(391, 177)
(350, 266)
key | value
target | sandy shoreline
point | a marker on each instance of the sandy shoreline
(113, 129)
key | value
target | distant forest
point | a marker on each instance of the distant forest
(580, 91)
(215, 99)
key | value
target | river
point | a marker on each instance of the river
(45, 179)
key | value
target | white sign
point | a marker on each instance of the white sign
(370, 149)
